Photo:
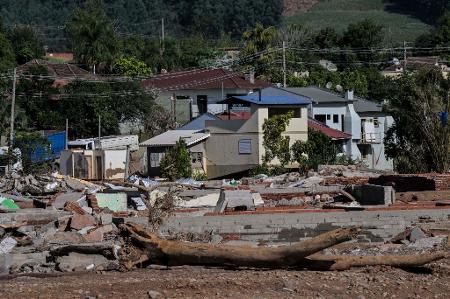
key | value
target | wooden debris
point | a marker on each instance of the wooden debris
(174, 253)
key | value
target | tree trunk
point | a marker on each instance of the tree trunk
(342, 262)
(159, 251)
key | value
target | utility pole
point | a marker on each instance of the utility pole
(67, 135)
(404, 56)
(99, 129)
(175, 109)
(13, 106)
(284, 64)
(163, 36)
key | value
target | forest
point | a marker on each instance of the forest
(210, 18)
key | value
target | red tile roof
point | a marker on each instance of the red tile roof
(202, 79)
(330, 132)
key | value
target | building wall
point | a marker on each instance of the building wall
(222, 148)
(183, 109)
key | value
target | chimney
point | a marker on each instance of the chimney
(349, 95)
(250, 76)
(259, 94)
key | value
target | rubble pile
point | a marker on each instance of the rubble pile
(62, 224)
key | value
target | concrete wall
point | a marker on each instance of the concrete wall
(285, 228)
(331, 109)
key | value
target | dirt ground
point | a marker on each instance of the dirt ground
(198, 282)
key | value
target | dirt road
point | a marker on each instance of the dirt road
(199, 282)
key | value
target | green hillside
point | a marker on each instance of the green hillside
(339, 13)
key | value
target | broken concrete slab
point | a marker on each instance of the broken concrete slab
(80, 262)
(64, 238)
(75, 184)
(235, 200)
(416, 234)
(81, 221)
(16, 260)
(62, 199)
(7, 245)
(428, 243)
(373, 194)
(206, 201)
(32, 216)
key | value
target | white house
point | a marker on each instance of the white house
(364, 120)
(188, 94)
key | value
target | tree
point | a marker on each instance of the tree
(31, 146)
(364, 34)
(258, 42)
(176, 163)
(419, 139)
(441, 34)
(131, 67)
(93, 36)
(7, 57)
(275, 144)
(318, 150)
(27, 43)
(326, 38)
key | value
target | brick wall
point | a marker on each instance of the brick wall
(285, 228)
(414, 182)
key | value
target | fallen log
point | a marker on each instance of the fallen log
(341, 262)
(108, 250)
(174, 253)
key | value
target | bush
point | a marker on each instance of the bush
(176, 164)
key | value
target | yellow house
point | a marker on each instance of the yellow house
(236, 146)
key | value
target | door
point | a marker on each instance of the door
(202, 104)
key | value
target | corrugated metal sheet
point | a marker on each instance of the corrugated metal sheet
(170, 138)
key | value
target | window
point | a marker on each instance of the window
(328, 116)
(321, 118)
(155, 159)
(278, 111)
(245, 147)
(376, 122)
(196, 158)
(335, 118)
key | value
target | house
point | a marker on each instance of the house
(188, 94)
(416, 63)
(158, 145)
(222, 146)
(62, 73)
(362, 119)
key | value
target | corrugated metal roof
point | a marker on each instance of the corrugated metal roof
(170, 138)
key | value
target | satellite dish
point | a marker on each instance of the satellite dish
(396, 61)
(329, 85)
(339, 88)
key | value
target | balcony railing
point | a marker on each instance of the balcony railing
(371, 138)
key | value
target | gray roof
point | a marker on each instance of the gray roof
(199, 122)
(362, 105)
(170, 138)
(319, 95)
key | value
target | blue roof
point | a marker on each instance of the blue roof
(269, 100)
